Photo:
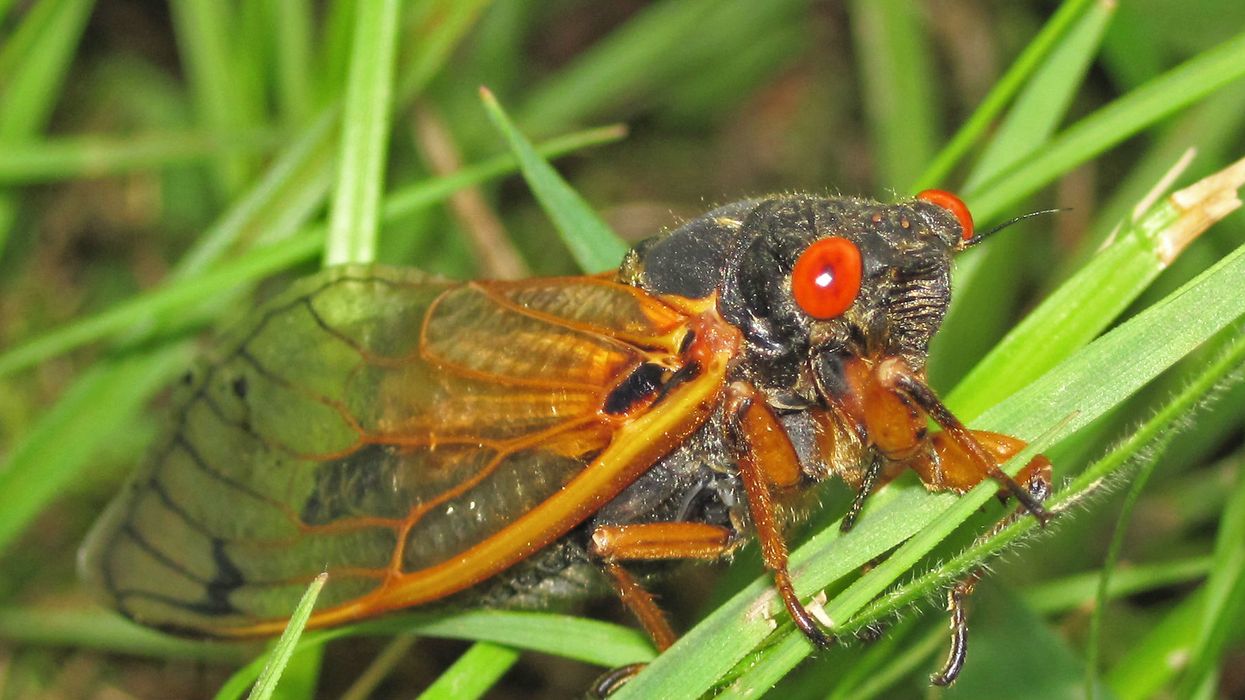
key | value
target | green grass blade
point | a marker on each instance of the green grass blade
(1167, 94)
(978, 125)
(1225, 598)
(1144, 670)
(169, 299)
(1090, 300)
(598, 643)
(206, 33)
(96, 628)
(33, 66)
(616, 68)
(1076, 591)
(591, 241)
(281, 653)
(1150, 462)
(895, 64)
(281, 202)
(355, 213)
(985, 281)
(102, 402)
(1045, 99)
(85, 157)
(292, 21)
(442, 26)
(471, 676)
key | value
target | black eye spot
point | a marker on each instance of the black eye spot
(240, 387)
(188, 378)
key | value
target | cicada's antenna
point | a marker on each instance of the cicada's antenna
(979, 237)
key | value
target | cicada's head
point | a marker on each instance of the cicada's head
(812, 278)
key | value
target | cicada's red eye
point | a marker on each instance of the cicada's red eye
(953, 204)
(826, 278)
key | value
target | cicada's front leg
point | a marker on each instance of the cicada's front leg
(961, 458)
(958, 459)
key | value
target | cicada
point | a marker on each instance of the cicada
(518, 443)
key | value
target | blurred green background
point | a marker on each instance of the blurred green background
(163, 162)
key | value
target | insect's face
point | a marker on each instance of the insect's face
(817, 278)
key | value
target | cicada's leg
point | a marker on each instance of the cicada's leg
(867, 484)
(767, 461)
(977, 463)
(612, 544)
(947, 466)
(1037, 480)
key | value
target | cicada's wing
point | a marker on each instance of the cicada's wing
(412, 437)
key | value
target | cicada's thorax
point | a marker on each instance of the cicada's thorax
(820, 376)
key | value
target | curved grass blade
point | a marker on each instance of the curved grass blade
(33, 66)
(1176, 89)
(978, 125)
(591, 241)
(590, 641)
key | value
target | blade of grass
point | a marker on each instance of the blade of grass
(1225, 599)
(90, 156)
(395, 652)
(441, 26)
(284, 649)
(591, 241)
(1150, 462)
(1176, 89)
(102, 401)
(181, 293)
(615, 69)
(206, 30)
(355, 211)
(985, 281)
(879, 655)
(1153, 660)
(1070, 592)
(1044, 101)
(34, 65)
(1101, 290)
(33, 68)
(599, 643)
(96, 628)
(292, 22)
(471, 676)
(978, 125)
(894, 60)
